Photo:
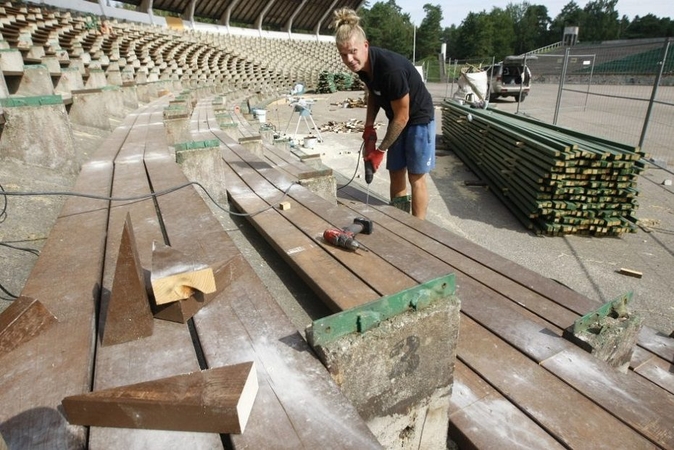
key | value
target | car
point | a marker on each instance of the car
(505, 79)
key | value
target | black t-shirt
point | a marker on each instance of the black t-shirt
(393, 77)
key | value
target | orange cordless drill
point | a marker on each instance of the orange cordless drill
(346, 237)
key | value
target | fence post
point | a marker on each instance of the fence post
(654, 93)
(561, 84)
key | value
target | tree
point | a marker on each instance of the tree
(571, 15)
(429, 32)
(531, 23)
(503, 39)
(601, 21)
(648, 26)
(474, 37)
(387, 27)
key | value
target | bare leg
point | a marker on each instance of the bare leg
(419, 195)
(398, 183)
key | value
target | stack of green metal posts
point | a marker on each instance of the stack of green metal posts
(555, 180)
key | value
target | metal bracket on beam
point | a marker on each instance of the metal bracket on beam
(183, 146)
(591, 322)
(368, 316)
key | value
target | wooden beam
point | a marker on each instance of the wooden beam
(24, 319)
(183, 310)
(216, 400)
(174, 277)
(128, 315)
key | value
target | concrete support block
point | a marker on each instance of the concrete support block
(52, 64)
(11, 61)
(77, 63)
(89, 109)
(130, 96)
(253, 144)
(323, 186)
(37, 132)
(128, 75)
(34, 82)
(398, 372)
(96, 79)
(113, 99)
(114, 78)
(202, 162)
(144, 93)
(141, 77)
(36, 52)
(177, 129)
(69, 81)
(610, 333)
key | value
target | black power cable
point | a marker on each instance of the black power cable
(4, 194)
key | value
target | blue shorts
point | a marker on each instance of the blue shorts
(414, 149)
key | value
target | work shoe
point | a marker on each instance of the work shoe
(403, 202)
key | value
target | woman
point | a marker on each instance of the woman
(395, 86)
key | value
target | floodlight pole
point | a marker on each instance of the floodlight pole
(654, 93)
(414, 45)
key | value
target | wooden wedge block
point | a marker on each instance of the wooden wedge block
(183, 310)
(174, 277)
(128, 315)
(630, 272)
(216, 400)
(24, 319)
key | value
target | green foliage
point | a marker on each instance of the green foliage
(517, 29)
(429, 32)
(386, 26)
(601, 21)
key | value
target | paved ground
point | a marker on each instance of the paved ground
(588, 265)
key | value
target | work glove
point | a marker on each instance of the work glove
(370, 152)
(370, 138)
(375, 157)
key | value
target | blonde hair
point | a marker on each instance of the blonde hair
(346, 23)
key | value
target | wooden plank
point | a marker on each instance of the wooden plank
(471, 274)
(480, 417)
(217, 400)
(298, 404)
(653, 368)
(67, 281)
(169, 350)
(650, 339)
(542, 345)
(568, 415)
(636, 401)
(23, 319)
(311, 257)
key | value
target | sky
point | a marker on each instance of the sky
(454, 11)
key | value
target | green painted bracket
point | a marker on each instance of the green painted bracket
(365, 317)
(615, 308)
(31, 101)
(196, 144)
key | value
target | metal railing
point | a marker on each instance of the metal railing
(620, 90)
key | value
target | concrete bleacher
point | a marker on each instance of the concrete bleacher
(610, 58)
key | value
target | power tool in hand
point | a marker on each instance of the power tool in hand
(370, 137)
(346, 237)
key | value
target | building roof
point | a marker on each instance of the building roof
(311, 16)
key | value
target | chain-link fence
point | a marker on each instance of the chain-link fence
(619, 90)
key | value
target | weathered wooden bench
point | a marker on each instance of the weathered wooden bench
(518, 382)
(306, 169)
(296, 401)
(346, 281)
